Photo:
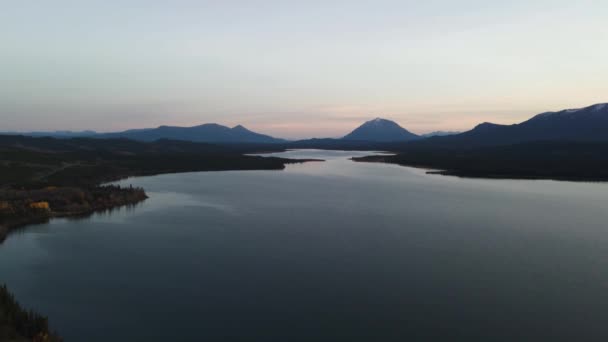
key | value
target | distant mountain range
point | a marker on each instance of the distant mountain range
(209, 133)
(582, 125)
(377, 130)
(380, 130)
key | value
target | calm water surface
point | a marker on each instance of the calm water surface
(333, 251)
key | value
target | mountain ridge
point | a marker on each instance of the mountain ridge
(380, 129)
(208, 133)
(585, 124)
(581, 124)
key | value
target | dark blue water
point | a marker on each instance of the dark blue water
(334, 251)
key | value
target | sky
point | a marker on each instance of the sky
(297, 69)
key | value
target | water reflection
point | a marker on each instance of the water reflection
(324, 252)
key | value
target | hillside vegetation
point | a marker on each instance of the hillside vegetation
(536, 160)
(42, 178)
(20, 325)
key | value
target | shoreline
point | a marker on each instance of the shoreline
(20, 208)
(19, 324)
(11, 226)
(131, 196)
(481, 175)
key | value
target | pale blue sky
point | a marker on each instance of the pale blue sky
(297, 68)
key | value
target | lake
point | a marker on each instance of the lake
(324, 251)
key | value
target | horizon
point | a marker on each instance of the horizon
(304, 137)
(283, 68)
(321, 170)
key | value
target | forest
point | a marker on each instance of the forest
(42, 178)
(574, 161)
(18, 324)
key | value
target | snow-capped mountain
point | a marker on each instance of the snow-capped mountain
(380, 130)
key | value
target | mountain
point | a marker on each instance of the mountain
(210, 133)
(587, 124)
(380, 130)
(439, 134)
